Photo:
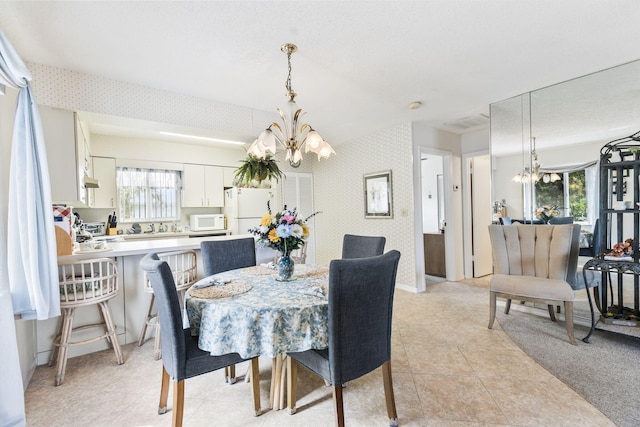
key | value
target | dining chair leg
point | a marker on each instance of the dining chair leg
(178, 403)
(255, 385)
(568, 318)
(552, 314)
(292, 384)
(507, 306)
(230, 374)
(164, 392)
(337, 402)
(492, 308)
(388, 394)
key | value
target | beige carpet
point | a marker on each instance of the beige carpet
(605, 372)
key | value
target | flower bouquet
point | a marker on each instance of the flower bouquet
(284, 232)
(546, 212)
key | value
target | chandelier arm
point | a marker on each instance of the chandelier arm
(278, 135)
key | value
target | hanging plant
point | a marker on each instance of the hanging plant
(257, 169)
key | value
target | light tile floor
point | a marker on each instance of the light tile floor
(448, 370)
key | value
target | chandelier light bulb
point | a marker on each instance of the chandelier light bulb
(313, 141)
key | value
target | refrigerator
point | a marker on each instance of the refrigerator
(244, 207)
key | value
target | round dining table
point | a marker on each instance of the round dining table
(249, 312)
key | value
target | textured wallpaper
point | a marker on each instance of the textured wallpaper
(60, 88)
(339, 194)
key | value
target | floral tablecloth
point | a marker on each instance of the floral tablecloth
(272, 318)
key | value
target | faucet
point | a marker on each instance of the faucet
(162, 228)
(152, 228)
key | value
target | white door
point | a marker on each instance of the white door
(481, 215)
(297, 192)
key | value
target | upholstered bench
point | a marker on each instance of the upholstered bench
(535, 263)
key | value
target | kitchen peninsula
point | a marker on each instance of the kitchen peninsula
(129, 307)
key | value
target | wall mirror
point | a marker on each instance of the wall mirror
(560, 127)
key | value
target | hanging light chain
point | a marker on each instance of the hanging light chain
(289, 48)
(288, 83)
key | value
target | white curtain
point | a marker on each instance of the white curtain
(31, 240)
(28, 273)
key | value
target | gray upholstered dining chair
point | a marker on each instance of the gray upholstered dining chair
(360, 307)
(225, 255)
(535, 263)
(362, 246)
(181, 357)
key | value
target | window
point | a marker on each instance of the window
(147, 194)
(569, 194)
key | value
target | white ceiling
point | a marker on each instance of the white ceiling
(359, 63)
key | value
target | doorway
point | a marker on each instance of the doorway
(434, 219)
(477, 213)
(297, 192)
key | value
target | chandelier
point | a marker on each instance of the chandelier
(292, 135)
(533, 174)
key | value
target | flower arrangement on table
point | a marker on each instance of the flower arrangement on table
(283, 231)
(622, 249)
(546, 212)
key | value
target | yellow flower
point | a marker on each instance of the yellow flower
(266, 220)
(273, 236)
(305, 230)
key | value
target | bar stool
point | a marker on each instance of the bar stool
(83, 283)
(183, 267)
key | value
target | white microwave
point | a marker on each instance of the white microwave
(206, 222)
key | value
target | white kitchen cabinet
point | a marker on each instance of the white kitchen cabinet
(104, 170)
(202, 186)
(67, 156)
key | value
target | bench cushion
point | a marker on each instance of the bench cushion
(533, 287)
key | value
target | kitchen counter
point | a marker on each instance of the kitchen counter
(165, 235)
(129, 307)
(145, 246)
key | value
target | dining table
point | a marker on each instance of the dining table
(250, 312)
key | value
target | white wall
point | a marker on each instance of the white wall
(339, 194)
(477, 141)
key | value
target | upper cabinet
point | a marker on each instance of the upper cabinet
(104, 170)
(67, 155)
(202, 186)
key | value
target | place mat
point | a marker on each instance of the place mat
(230, 289)
(258, 270)
(318, 273)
